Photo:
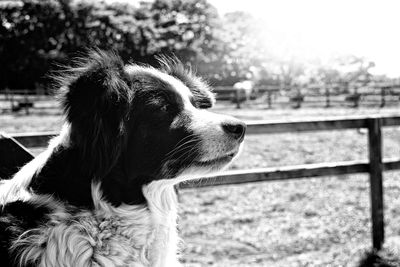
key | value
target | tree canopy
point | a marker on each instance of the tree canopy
(37, 36)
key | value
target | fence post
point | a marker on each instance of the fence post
(383, 97)
(376, 187)
(26, 101)
(269, 98)
(237, 97)
(327, 96)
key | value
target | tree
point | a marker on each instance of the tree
(187, 29)
(36, 35)
(242, 49)
(29, 34)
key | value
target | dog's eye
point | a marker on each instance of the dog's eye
(204, 105)
(201, 104)
(158, 104)
(164, 108)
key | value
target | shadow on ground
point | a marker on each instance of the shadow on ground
(380, 259)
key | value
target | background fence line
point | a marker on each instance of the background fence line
(380, 94)
(375, 165)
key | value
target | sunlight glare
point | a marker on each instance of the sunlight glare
(311, 29)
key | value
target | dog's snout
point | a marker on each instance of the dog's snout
(235, 129)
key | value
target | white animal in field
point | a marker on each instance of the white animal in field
(245, 89)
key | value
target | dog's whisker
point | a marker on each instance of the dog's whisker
(187, 153)
(183, 144)
(182, 149)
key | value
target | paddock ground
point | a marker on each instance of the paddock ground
(304, 222)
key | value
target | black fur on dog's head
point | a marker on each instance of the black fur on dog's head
(130, 125)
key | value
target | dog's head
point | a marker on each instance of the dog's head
(145, 123)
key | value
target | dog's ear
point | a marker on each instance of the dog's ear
(96, 100)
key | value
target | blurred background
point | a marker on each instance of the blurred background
(305, 43)
(266, 60)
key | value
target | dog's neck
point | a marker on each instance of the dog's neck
(163, 242)
(162, 202)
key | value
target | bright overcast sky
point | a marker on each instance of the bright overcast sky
(307, 29)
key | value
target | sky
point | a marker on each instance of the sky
(322, 29)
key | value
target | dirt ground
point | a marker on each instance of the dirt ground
(304, 222)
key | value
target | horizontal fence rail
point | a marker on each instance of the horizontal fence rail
(290, 172)
(375, 165)
(382, 94)
(329, 123)
(32, 140)
(41, 139)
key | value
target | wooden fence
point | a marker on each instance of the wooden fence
(375, 165)
(379, 95)
(27, 100)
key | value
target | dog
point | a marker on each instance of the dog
(103, 193)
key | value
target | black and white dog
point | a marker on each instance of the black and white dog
(103, 193)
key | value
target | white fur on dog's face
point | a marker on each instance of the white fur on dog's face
(217, 149)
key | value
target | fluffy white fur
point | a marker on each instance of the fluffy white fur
(107, 236)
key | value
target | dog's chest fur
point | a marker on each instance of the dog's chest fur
(107, 236)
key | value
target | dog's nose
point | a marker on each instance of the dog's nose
(235, 129)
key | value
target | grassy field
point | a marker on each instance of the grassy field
(304, 222)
